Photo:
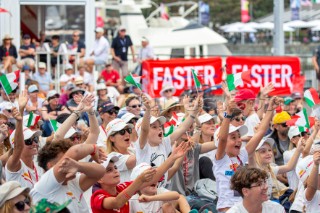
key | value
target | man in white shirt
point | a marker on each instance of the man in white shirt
(146, 51)
(68, 76)
(99, 54)
(251, 184)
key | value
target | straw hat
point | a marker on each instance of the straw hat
(7, 37)
(169, 105)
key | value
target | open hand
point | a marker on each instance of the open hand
(69, 167)
(23, 99)
(86, 104)
(179, 151)
(16, 114)
(267, 89)
(147, 175)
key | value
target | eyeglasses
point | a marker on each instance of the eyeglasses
(75, 137)
(284, 125)
(135, 106)
(169, 90)
(238, 119)
(29, 141)
(21, 204)
(261, 184)
(113, 111)
(123, 131)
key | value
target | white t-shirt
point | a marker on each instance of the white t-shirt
(87, 78)
(154, 206)
(223, 171)
(312, 206)
(298, 202)
(101, 48)
(48, 187)
(292, 176)
(251, 122)
(26, 176)
(123, 169)
(267, 207)
(154, 155)
(113, 94)
(102, 138)
(66, 78)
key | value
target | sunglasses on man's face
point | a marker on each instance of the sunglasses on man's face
(284, 125)
(123, 131)
(135, 106)
(238, 119)
(29, 141)
(169, 90)
(21, 204)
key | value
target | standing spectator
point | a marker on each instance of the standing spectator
(146, 51)
(43, 78)
(8, 53)
(99, 54)
(111, 77)
(77, 46)
(316, 64)
(119, 52)
(55, 50)
(68, 76)
(27, 52)
(251, 184)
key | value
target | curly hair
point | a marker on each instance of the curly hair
(50, 151)
(245, 176)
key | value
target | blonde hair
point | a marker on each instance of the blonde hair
(109, 145)
(8, 206)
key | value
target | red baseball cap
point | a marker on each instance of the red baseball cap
(244, 94)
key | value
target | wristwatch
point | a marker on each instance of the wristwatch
(227, 116)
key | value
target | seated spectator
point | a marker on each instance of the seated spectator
(8, 54)
(75, 97)
(35, 103)
(43, 78)
(68, 76)
(55, 47)
(65, 95)
(76, 46)
(14, 198)
(27, 73)
(251, 184)
(100, 50)
(111, 77)
(79, 82)
(87, 77)
(27, 53)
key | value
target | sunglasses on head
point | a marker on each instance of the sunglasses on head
(284, 125)
(123, 131)
(21, 204)
(113, 111)
(238, 119)
(29, 141)
(135, 106)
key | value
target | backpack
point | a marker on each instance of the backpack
(206, 189)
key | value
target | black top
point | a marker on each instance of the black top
(11, 52)
(59, 108)
(121, 46)
(24, 47)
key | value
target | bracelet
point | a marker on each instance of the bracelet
(91, 113)
(126, 195)
(94, 150)
(77, 114)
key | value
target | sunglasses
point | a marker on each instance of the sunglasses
(133, 121)
(123, 131)
(135, 106)
(169, 90)
(284, 125)
(21, 204)
(238, 119)
(76, 137)
(29, 141)
(113, 111)
(303, 134)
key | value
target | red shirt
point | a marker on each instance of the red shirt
(113, 76)
(99, 195)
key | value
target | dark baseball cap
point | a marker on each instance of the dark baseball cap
(26, 36)
(107, 106)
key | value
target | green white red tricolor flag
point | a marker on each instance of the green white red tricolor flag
(238, 79)
(135, 81)
(197, 83)
(301, 120)
(7, 82)
(33, 119)
(311, 97)
(54, 125)
(170, 125)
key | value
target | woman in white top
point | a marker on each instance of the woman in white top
(230, 156)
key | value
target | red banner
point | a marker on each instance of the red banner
(178, 73)
(282, 71)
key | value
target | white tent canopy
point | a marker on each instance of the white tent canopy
(298, 24)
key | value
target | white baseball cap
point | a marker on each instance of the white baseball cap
(270, 141)
(205, 117)
(42, 65)
(33, 88)
(68, 67)
(293, 131)
(113, 156)
(52, 93)
(128, 116)
(115, 126)
(304, 167)
(27, 134)
(161, 119)
(99, 30)
(101, 86)
(138, 170)
(243, 130)
(167, 87)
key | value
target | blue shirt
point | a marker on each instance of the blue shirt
(43, 80)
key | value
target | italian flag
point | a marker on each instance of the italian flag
(54, 125)
(168, 129)
(7, 82)
(195, 78)
(33, 119)
(238, 79)
(311, 97)
(315, 1)
(301, 120)
(174, 119)
(135, 81)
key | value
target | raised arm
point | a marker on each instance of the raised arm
(312, 185)
(255, 140)
(145, 125)
(294, 160)
(264, 91)
(94, 125)
(310, 140)
(14, 163)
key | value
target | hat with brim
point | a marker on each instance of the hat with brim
(128, 116)
(270, 141)
(167, 87)
(10, 190)
(7, 37)
(115, 126)
(206, 117)
(161, 119)
(27, 134)
(45, 206)
(101, 86)
(169, 105)
(52, 93)
(107, 106)
(243, 130)
(113, 156)
(138, 170)
(293, 131)
(75, 90)
(287, 100)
